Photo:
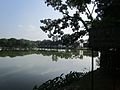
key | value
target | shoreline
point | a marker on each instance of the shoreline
(102, 81)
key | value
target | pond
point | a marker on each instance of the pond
(21, 70)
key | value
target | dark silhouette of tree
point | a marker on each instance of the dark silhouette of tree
(103, 30)
(105, 20)
(104, 35)
(79, 26)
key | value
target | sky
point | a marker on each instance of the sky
(21, 18)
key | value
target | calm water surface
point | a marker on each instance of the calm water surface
(22, 70)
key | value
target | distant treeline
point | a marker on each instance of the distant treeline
(23, 44)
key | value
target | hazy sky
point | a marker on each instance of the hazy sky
(21, 18)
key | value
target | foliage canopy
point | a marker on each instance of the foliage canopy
(83, 13)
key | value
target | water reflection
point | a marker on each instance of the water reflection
(57, 53)
(21, 70)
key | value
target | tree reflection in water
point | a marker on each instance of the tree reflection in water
(56, 53)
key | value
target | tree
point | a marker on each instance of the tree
(76, 22)
(3, 43)
(12, 43)
(104, 20)
(103, 30)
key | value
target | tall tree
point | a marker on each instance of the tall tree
(79, 22)
(103, 29)
(83, 19)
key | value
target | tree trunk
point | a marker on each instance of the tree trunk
(110, 61)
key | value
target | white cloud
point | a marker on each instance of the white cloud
(20, 26)
(31, 26)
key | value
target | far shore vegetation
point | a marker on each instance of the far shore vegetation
(23, 44)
